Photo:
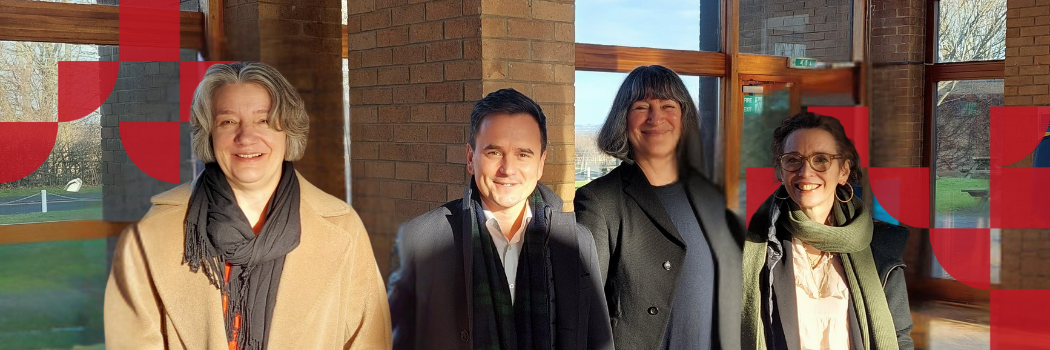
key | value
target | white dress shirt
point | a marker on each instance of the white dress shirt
(509, 250)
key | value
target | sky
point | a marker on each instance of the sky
(665, 24)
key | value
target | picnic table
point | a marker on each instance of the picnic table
(982, 166)
(981, 194)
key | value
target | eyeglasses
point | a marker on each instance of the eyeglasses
(819, 161)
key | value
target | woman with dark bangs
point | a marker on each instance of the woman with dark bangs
(669, 252)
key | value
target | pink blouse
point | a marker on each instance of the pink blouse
(822, 305)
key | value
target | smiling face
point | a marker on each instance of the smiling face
(506, 160)
(654, 127)
(814, 191)
(249, 152)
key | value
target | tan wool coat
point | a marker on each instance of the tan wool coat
(331, 294)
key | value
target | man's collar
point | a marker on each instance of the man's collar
(491, 218)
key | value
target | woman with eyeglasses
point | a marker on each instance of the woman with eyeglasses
(819, 273)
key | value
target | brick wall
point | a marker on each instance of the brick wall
(896, 109)
(819, 28)
(533, 52)
(302, 40)
(1027, 53)
(144, 92)
(417, 67)
(1025, 252)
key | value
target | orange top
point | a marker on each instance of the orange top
(225, 305)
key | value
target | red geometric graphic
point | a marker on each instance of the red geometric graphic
(1020, 318)
(153, 147)
(149, 30)
(964, 253)
(1018, 196)
(761, 182)
(855, 121)
(83, 86)
(904, 193)
(24, 147)
(1015, 132)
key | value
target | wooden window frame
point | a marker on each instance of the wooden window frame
(930, 287)
(730, 65)
(55, 22)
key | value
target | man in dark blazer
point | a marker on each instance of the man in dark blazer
(502, 267)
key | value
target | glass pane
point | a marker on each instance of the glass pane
(683, 25)
(68, 186)
(971, 30)
(962, 155)
(595, 92)
(51, 294)
(818, 29)
(766, 105)
(346, 125)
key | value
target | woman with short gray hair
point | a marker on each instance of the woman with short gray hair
(669, 251)
(250, 255)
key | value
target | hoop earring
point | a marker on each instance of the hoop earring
(777, 191)
(850, 195)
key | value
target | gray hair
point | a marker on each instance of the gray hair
(287, 111)
(647, 82)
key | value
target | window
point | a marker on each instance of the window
(815, 29)
(971, 30)
(68, 186)
(664, 24)
(962, 151)
(52, 294)
(961, 160)
(965, 80)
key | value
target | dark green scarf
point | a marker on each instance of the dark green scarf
(529, 322)
(851, 240)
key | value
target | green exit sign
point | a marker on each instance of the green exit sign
(801, 62)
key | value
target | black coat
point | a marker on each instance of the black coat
(636, 238)
(887, 247)
(430, 294)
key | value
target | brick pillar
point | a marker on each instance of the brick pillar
(416, 69)
(303, 40)
(896, 108)
(1027, 74)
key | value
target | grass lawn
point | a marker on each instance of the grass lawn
(93, 212)
(951, 197)
(581, 183)
(22, 192)
(51, 294)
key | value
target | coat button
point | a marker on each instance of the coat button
(667, 265)
(654, 310)
(464, 336)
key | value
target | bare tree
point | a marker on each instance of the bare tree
(970, 30)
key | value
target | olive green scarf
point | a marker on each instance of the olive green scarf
(851, 240)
